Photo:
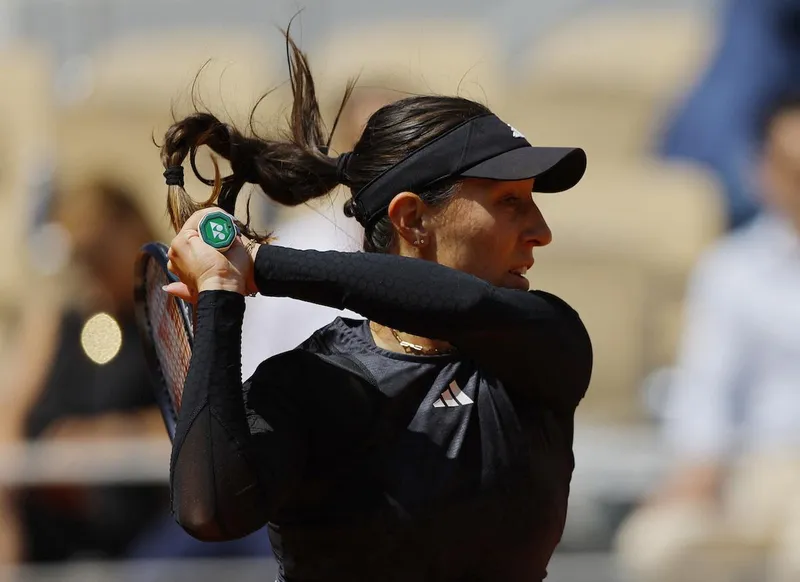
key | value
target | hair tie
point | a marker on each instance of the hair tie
(356, 210)
(244, 168)
(341, 168)
(174, 176)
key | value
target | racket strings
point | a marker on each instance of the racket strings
(170, 337)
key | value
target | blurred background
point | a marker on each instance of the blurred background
(680, 249)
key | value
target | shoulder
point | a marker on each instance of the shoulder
(304, 363)
(325, 347)
(342, 335)
(313, 389)
(318, 364)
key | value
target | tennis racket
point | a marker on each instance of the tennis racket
(166, 327)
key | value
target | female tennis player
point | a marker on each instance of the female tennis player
(431, 441)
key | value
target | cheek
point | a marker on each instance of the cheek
(474, 244)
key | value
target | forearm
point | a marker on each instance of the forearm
(213, 481)
(214, 376)
(416, 296)
(534, 341)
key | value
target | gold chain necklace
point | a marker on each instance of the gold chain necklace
(413, 349)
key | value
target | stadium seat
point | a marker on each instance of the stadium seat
(608, 78)
(25, 148)
(659, 215)
(603, 125)
(139, 82)
(651, 52)
(429, 56)
(612, 300)
(151, 71)
(624, 243)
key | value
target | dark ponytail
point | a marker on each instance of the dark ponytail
(291, 170)
(296, 168)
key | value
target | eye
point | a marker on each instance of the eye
(510, 199)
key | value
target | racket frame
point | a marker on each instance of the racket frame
(156, 251)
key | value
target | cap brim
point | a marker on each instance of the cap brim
(555, 169)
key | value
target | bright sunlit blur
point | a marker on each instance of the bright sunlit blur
(101, 338)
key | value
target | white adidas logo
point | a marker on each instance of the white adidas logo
(515, 132)
(452, 396)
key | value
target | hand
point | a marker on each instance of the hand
(200, 267)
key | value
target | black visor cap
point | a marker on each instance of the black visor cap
(555, 169)
(482, 147)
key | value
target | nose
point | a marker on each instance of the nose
(537, 231)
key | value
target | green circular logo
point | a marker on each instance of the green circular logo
(218, 230)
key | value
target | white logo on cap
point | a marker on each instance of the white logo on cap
(515, 132)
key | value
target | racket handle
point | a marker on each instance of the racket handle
(218, 230)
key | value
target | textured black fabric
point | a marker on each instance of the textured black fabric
(373, 465)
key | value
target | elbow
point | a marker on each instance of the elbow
(575, 362)
(582, 367)
(202, 525)
(205, 525)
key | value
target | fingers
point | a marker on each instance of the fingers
(176, 255)
(178, 248)
(182, 291)
(194, 261)
(173, 268)
(182, 288)
(182, 240)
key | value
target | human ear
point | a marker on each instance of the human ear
(406, 211)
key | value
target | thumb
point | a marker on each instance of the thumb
(181, 291)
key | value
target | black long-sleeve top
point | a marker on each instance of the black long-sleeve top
(370, 465)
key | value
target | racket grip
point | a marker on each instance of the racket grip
(218, 230)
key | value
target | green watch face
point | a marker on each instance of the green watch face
(218, 230)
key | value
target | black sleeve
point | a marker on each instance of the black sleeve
(533, 341)
(231, 467)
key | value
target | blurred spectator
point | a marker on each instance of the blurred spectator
(731, 419)
(756, 61)
(80, 377)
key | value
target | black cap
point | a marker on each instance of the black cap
(482, 147)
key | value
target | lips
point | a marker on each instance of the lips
(522, 270)
(518, 280)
